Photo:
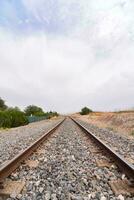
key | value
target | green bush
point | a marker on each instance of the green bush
(17, 117)
(85, 111)
(5, 120)
(34, 110)
(51, 114)
(12, 118)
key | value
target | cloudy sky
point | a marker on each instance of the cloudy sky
(66, 54)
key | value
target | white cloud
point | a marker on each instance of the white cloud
(92, 65)
(62, 73)
(47, 67)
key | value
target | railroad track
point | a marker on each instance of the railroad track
(13, 164)
(10, 166)
(124, 166)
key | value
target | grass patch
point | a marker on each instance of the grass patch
(132, 132)
(4, 129)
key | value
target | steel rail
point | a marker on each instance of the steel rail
(10, 166)
(124, 166)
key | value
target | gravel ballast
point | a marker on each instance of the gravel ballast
(16, 139)
(67, 170)
(120, 144)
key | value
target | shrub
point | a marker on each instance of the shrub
(34, 110)
(12, 118)
(17, 117)
(5, 120)
(51, 114)
(85, 111)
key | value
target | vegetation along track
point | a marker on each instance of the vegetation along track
(68, 169)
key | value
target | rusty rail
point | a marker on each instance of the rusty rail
(9, 167)
(124, 166)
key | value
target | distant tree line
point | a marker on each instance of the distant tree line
(14, 117)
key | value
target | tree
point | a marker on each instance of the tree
(13, 108)
(34, 110)
(2, 104)
(85, 111)
(5, 119)
(12, 117)
(17, 117)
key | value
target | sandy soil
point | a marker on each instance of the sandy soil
(120, 122)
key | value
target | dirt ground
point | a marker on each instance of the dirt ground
(120, 122)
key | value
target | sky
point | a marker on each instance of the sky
(64, 55)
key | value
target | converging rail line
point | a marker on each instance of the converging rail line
(124, 166)
(10, 166)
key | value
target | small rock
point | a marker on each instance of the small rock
(93, 195)
(74, 197)
(54, 197)
(85, 198)
(85, 181)
(98, 177)
(103, 198)
(19, 196)
(41, 189)
(113, 166)
(123, 176)
(45, 159)
(37, 183)
(120, 197)
(47, 196)
(30, 187)
(89, 196)
(41, 159)
(15, 175)
(73, 158)
(13, 195)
